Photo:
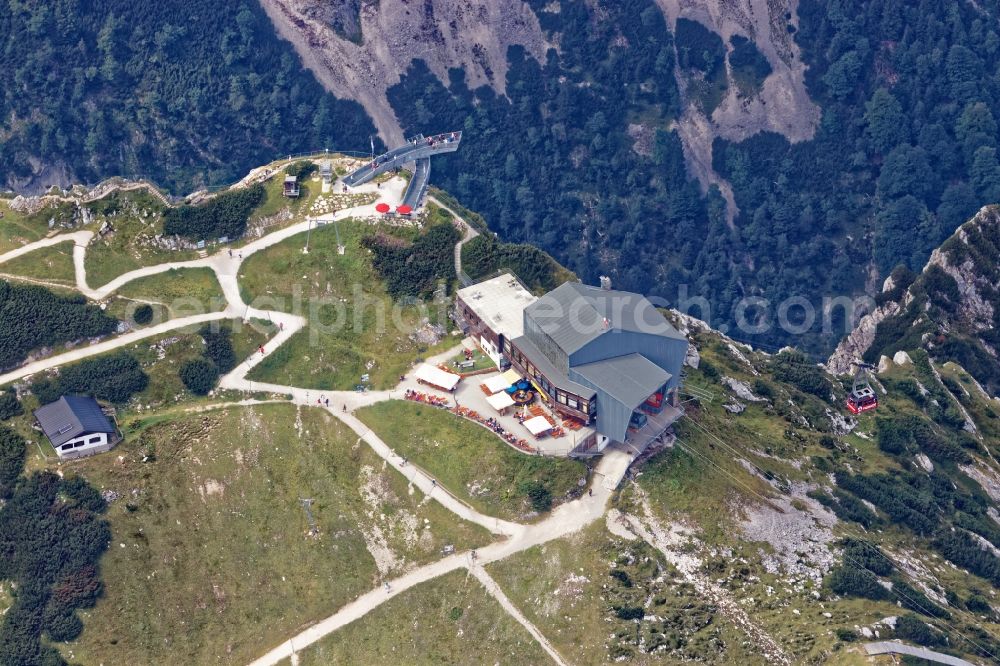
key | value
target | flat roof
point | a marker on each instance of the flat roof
(499, 302)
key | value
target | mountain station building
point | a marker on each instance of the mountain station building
(606, 358)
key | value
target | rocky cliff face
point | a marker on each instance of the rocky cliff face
(361, 60)
(951, 308)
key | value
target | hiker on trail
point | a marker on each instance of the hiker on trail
(387, 589)
(327, 402)
(345, 408)
(230, 253)
(434, 483)
(261, 349)
(590, 492)
(281, 325)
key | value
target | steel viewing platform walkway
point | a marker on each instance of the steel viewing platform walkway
(419, 150)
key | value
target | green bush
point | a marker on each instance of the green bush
(849, 581)
(9, 405)
(12, 455)
(539, 495)
(219, 347)
(698, 47)
(52, 538)
(795, 368)
(912, 628)
(225, 215)
(199, 375)
(114, 378)
(484, 255)
(861, 553)
(301, 169)
(747, 62)
(143, 314)
(630, 612)
(847, 635)
(413, 269)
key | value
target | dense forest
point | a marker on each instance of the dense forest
(186, 93)
(32, 317)
(52, 537)
(904, 152)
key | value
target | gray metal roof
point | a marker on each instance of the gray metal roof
(574, 314)
(71, 416)
(630, 379)
(551, 372)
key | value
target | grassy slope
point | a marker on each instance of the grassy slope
(54, 264)
(467, 459)
(210, 561)
(449, 620)
(183, 291)
(565, 587)
(348, 336)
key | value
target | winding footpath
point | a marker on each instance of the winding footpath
(567, 518)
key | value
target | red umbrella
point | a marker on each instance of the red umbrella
(382, 207)
(404, 209)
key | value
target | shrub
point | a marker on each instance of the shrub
(219, 347)
(630, 612)
(913, 599)
(225, 215)
(199, 375)
(698, 47)
(412, 269)
(485, 255)
(64, 627)
(748, 62)
(9, 405)
(846, 635)
(912, 628)
(794, 368)
(849, 581)
(763, 389)
(539, 496)
(864, 554)
(622, 577)
(12, 453)
(977, 603)
(143, 314)
(114, 378)
(301, 169)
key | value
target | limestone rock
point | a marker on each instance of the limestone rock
(901, 358)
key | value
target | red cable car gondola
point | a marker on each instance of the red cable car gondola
(862, 397)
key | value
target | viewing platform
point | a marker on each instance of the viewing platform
(416, 148)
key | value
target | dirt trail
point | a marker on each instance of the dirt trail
(494, 589)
